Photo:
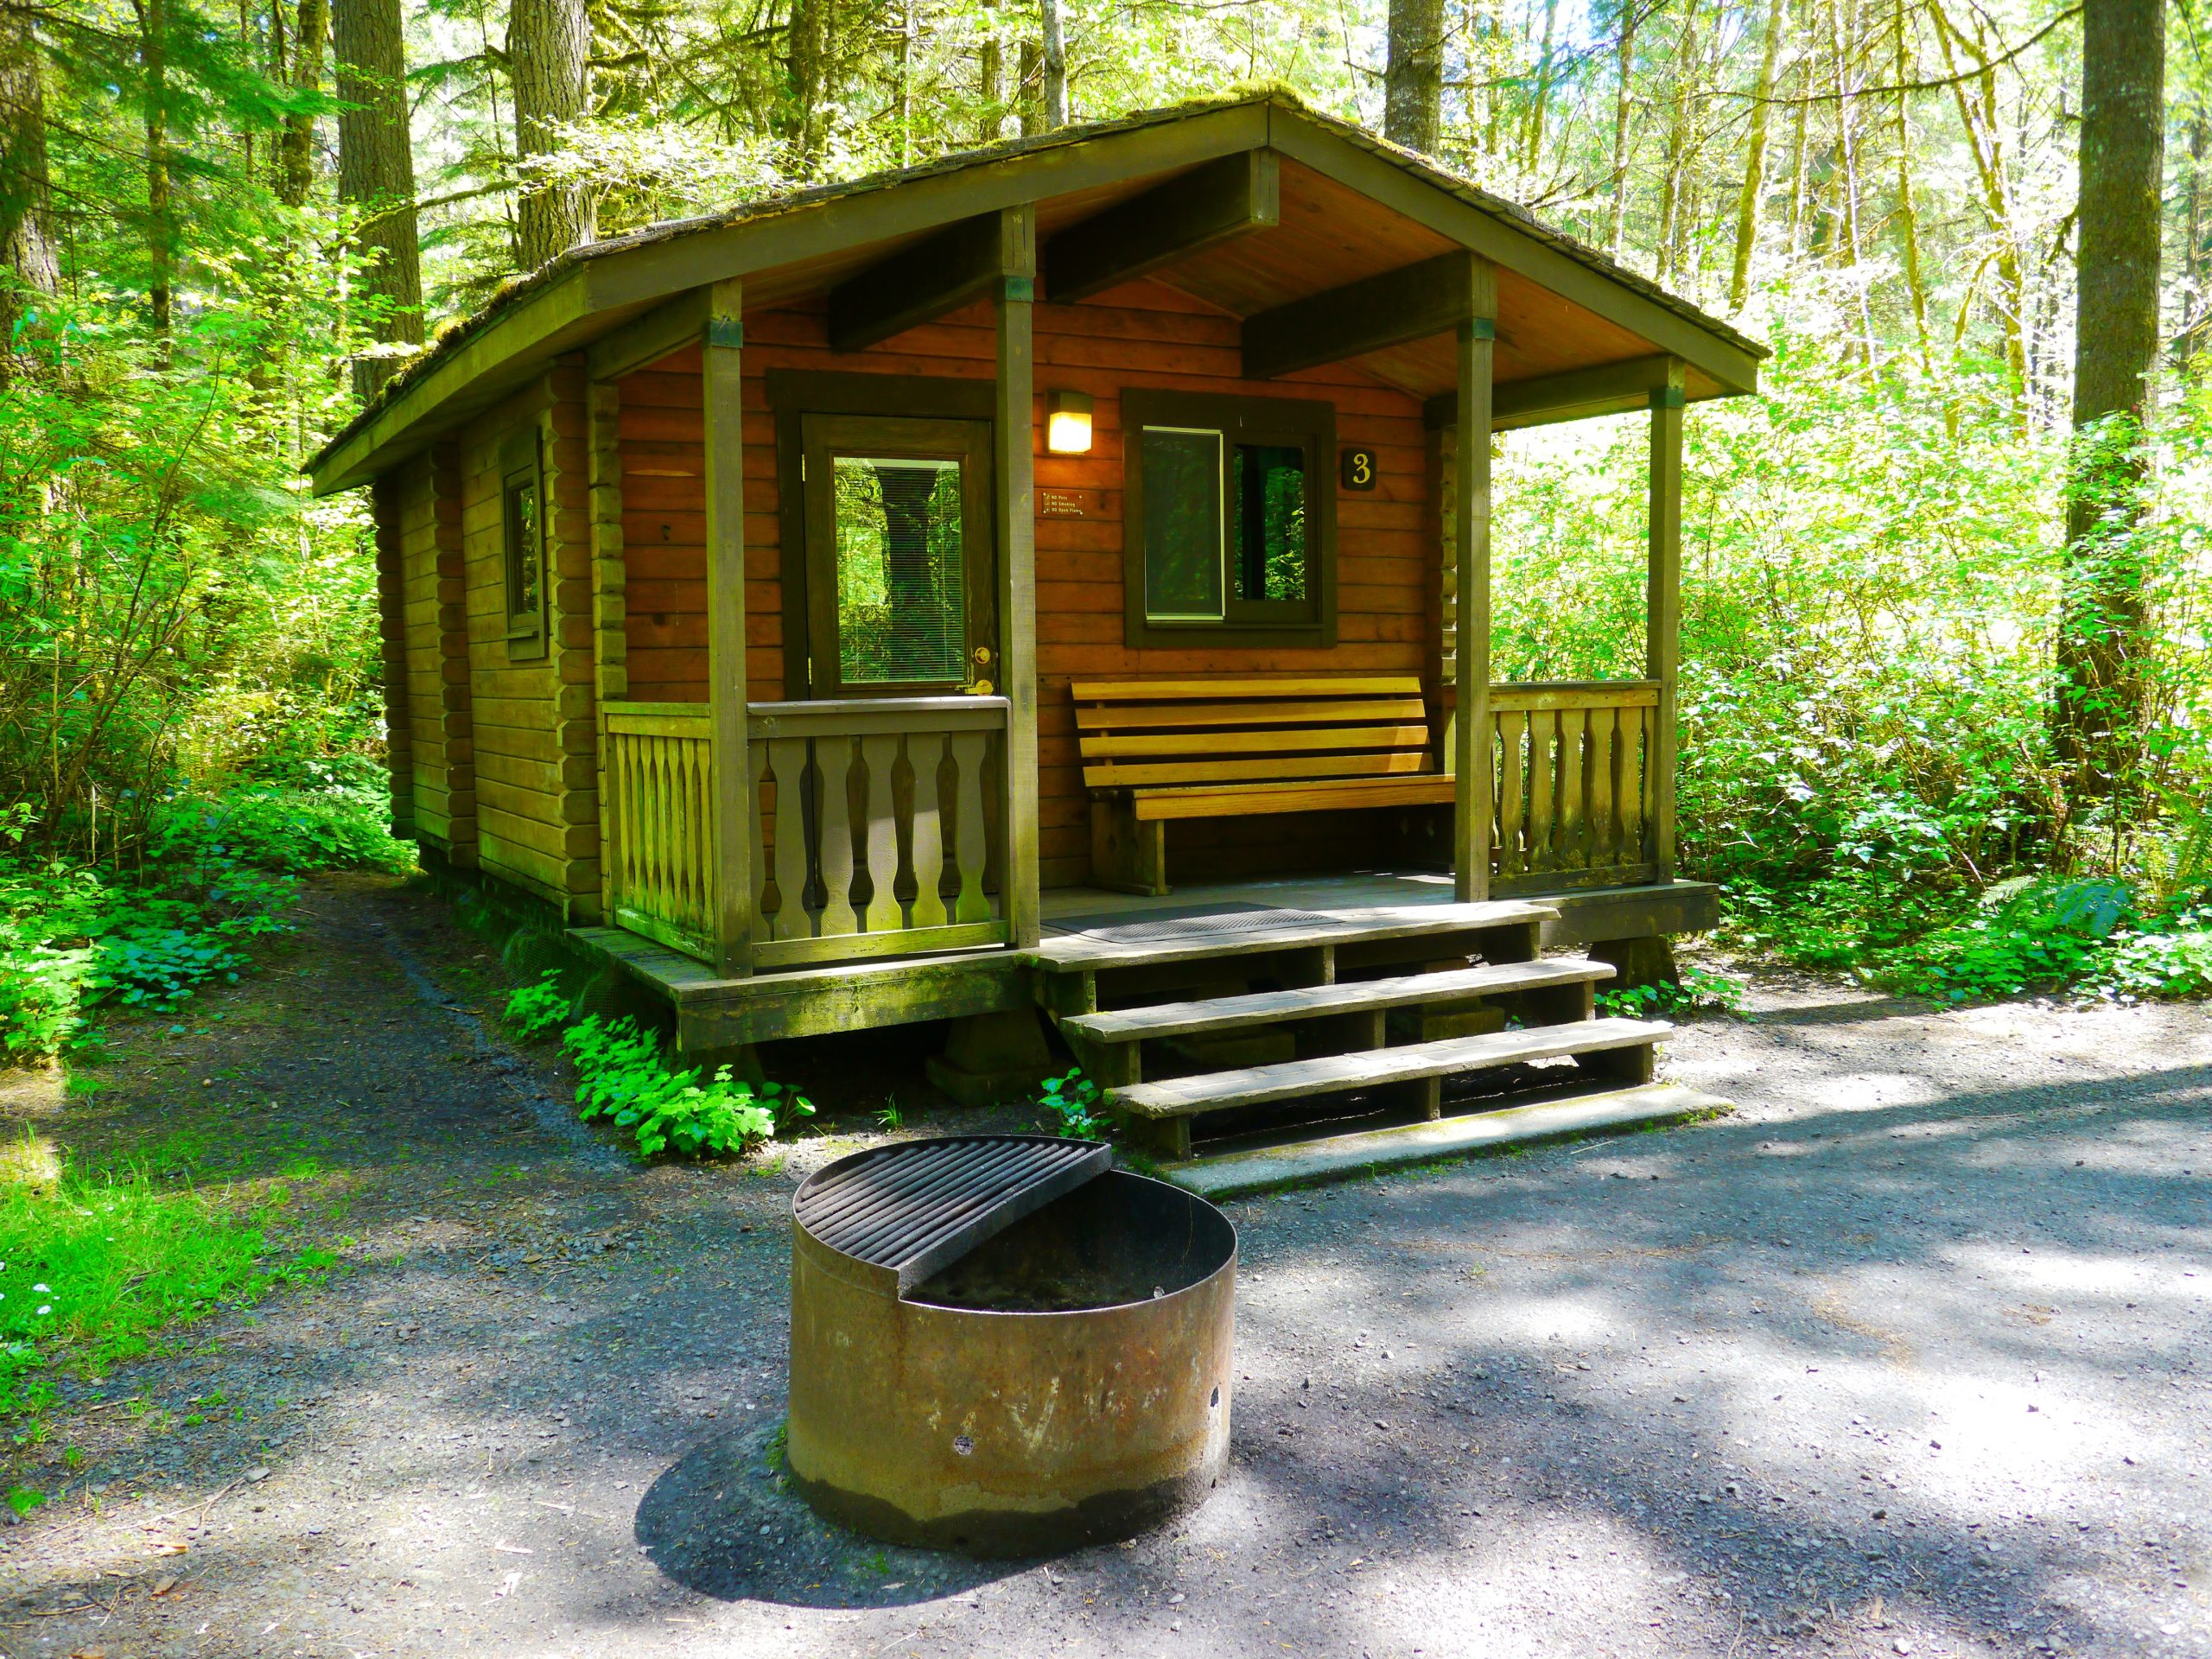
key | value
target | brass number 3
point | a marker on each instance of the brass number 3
(1362, 467)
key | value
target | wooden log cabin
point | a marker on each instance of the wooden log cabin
(1052, 578)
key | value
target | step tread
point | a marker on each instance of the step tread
(1264, 1007)
(1264, 1169)
(1239, 933)
(1335, 1073)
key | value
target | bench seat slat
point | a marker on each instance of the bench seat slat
(1127, 717)
(1127, 774)
(1261, 742)
(1249, 799)
(1391, 685)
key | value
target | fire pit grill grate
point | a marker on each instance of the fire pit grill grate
(911, 1211)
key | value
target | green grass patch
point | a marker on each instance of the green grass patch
(93, 1266)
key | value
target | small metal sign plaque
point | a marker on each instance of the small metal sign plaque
(1067, 504)
(1355, 469)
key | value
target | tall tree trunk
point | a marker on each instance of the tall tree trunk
(2116, 338)
(1052, 65)
(1754, 190)
(296, 144)
(161, 237)
(549, 44)
(28, 254)
(990, 75)
(1413, 77)
(1672, 185)
(1976, 95)
(2196, 254)
(1908, 217)
(1624, 79)
(1540, 101)
(1800, 146)
(1030, 68)
(376, 172)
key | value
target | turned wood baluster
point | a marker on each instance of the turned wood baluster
(792, 918)
(970, 804)
(835, 756)
(879, 754)
(925, 753)
(756, 812)
(1512, 792)
(1573, 796)
(1544, 787)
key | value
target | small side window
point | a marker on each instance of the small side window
(523, 540)
(1229, 536)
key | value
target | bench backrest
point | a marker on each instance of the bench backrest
(1162, 733)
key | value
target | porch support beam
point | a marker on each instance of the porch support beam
(939, 274)
(1188, 214)
(722, 395)
(647, 338)
(1471, 735)
(1663, 605)
(1013, 466)
(1578, 394)
(1413, 303)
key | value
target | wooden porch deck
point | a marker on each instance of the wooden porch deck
(713, 1011)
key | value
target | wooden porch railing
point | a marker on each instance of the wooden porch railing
(659, 815)
(1575, 784)
(877, 827)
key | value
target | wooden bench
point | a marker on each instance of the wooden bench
(1154, 750)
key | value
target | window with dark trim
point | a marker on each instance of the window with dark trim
(522, 532)
(1229, 519)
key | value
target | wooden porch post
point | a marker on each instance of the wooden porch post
(1470, 738)
(722, 399)
(1014, 466)
(1663, 605)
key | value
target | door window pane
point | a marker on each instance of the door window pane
(1182, 523)
(1268, 484)
(902, 612)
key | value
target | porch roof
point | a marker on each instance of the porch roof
(1352, 206)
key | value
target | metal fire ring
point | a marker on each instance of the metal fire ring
(1002, 1346)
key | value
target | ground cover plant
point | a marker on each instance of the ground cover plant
(217, 874)
(623, 1078)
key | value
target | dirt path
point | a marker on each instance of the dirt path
(1909, 1356)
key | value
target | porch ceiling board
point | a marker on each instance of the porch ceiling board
(1351, 207)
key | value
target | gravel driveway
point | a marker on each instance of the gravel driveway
(1908, 1355)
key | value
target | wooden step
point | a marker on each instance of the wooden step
(1242, 933)
(1267, 1007)
(1339, 1157)
(1340, 1073)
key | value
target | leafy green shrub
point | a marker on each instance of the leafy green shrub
(2174, 959)
(620, 1076)
(1694, 988)
(1071, 1107)
(534, 1010)
(2028, 934)
(323, 823)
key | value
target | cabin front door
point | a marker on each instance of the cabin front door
(901, 577)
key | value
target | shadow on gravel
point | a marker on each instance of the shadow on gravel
(1890, 1404)
(722, 1522)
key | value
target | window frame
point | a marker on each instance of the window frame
(521, 466)
(1307, 424)
(825, 437)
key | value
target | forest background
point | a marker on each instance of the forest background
(223, 221)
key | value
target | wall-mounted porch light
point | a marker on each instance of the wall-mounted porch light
(1067, 422)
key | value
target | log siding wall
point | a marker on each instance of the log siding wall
(1143, 334)
(424, 502)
